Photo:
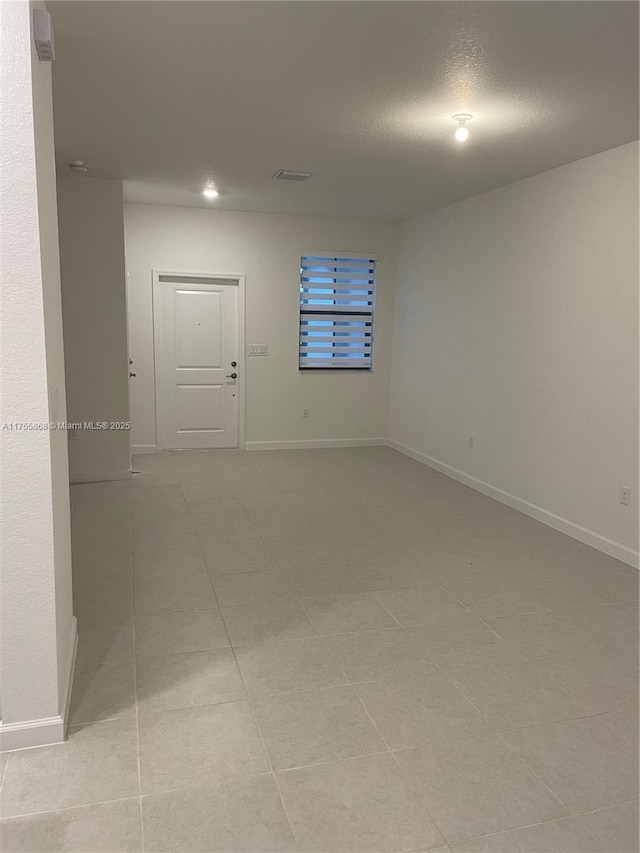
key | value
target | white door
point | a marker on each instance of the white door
(196, 355)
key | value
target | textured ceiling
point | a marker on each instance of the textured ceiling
(167, 94)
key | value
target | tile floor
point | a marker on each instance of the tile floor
(335, 650)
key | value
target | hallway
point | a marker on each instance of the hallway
(333, 650)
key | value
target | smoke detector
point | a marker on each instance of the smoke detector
(78, 167)
(291, 175)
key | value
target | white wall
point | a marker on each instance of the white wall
(37, 627)
(266, 248)
(516, 322)
(95, 323)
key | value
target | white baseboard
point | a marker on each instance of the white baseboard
(144, 448)
(98, 476)
(314, 444)
(50, 730)
(32, 733)
(582, 534)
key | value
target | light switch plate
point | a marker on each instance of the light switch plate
(258, 349)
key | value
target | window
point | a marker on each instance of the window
(337, 295)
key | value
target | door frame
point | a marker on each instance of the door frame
(205, 278)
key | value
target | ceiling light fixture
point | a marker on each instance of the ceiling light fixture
(210, 192)
(462, 131)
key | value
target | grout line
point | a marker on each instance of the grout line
(384, 606)
(4, 769)
(332, 761)
(77, 805)
(524, 826)
(419, 798)
(533, 772)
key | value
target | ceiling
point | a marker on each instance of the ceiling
(165, 95)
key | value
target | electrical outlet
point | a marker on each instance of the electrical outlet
(625, 495)
(472, 441)
(305, 413)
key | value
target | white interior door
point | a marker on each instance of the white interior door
(196, 355)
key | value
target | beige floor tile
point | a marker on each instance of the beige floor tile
(624, 724)
(410, 712)
(582, 762)
(613, 625)
(240, 815)
(609, 581)
(243, 552)
(192, 747)
(169, 564)
(371, 655)
(175, 631)
(421, 607)
(280, 619)
(315, 726)
(212, 511)
(250, 587)
(212, 532)
(476, 787)
(188, 679)
(99, 828)
(167, 555)
(103, 692)
(101, 543)
(339, 614)
(145, 493)
(282, 666)
(557, 836)
(464, 642)
(488, 595)
(538, 634)
(152, 523)
(155, 522)
(309, 579)
(174, 592)
(105, 638)
(94, 572)
(98, 762)
(516, 695)
(594, 676)
(614, 828)
(362, 805)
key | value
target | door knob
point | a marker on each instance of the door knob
(232, 376)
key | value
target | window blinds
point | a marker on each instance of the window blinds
(337, 296)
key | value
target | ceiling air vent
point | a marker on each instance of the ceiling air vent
(291, 175)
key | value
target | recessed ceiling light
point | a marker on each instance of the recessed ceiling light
(210, 192)
(462, 131)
